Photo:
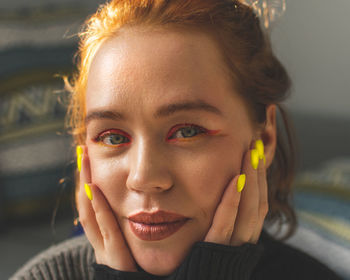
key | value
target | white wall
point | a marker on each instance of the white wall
(312, 39)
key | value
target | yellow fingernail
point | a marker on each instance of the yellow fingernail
(79, 151)
(259, 145)
(240, 182)
(254, 156)
(264, 160)
(88, 191)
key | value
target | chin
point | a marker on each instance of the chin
(160, 262)
(163, 257)
(163, 267)
(159, 270)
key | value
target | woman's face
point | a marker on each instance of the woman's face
(157, 167)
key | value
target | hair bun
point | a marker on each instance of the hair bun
(267, 10)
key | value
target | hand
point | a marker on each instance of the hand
(239, 217)
(100, 225)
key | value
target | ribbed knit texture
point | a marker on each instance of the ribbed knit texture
(206, 261)
(70, 259)
(270, 259)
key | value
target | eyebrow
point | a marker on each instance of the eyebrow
(162, 112)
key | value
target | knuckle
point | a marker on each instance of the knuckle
(252, 222)
(215, 231)
(224, 232)
(264, 208)
(227, 234)
(105, 234)
(83, 221)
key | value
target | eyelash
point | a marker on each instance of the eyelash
(202, 132)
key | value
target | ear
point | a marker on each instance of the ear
(268, 134)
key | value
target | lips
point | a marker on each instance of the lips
(158, 217)
(156, 226)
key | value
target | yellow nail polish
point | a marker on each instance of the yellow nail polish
(264, 160)
(79, 151)
(240, 182)
(88, 191)
(254, 156)
(259, 145)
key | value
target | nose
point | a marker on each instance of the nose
(148, 169)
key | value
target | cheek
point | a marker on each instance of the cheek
(100, 169)
(209, 174)
(107, 176)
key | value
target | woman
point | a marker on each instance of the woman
(173, 111)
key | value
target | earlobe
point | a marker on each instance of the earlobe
(268, 134)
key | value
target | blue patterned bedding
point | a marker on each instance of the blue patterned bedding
(322, 200)
(322, 203)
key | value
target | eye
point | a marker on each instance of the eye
(111, 138)
(187, 131)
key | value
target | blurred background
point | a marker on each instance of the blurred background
(37, 45)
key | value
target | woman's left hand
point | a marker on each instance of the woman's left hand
(239, 217)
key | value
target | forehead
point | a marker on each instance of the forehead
(141, 66)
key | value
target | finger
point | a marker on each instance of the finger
(225, 215)
(248, 207)
(263, 202)
(111, 233)
(86, 213)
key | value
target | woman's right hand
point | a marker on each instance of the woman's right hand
(100, 224)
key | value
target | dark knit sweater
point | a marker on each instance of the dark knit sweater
(268, 259)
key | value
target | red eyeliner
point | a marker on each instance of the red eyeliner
(110, 131)
(213, 132)
(172, 131)
(107, 132)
